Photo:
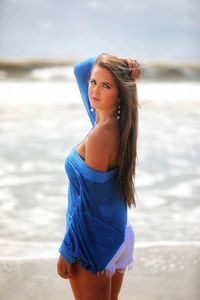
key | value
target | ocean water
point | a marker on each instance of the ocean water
(41, 121)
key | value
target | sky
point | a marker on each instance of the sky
(148, 29)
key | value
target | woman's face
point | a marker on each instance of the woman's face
(102, 89)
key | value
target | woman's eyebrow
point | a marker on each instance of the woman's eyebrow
(104, 82)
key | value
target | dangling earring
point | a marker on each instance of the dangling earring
(118, 112)
(92, 109)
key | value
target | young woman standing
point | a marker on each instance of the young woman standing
(99, 241)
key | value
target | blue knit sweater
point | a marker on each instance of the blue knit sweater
(96, 213)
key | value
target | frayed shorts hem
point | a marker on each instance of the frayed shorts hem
(123, 258)
(110, 273)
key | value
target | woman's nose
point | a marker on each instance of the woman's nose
(96, 90)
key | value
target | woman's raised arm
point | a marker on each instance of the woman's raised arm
(82, 73)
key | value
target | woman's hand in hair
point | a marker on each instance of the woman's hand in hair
(134, 67)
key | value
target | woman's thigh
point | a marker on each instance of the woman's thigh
(89, 286)
(116, 283)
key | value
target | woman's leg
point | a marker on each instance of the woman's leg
(116, 284)
(89, 286)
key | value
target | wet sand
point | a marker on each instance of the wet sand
(159, 273)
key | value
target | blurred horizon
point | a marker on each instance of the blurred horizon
(62, 70)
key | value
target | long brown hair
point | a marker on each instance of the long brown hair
(128, 123)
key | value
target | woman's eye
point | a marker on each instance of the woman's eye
(106, 86)
(92, 82)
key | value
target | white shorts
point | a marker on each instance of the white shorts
(123, 258)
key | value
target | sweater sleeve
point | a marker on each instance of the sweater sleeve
(82, 74)
(66, 252)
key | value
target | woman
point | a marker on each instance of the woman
(98, 244)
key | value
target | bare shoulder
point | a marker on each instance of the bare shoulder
(98, 148)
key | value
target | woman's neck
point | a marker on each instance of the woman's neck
(101, 117)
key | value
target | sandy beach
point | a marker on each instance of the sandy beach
(159, 273)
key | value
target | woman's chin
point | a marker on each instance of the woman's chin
(94, 103)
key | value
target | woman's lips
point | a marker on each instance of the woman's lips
(95, 99)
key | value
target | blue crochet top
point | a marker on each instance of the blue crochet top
(96, 213)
